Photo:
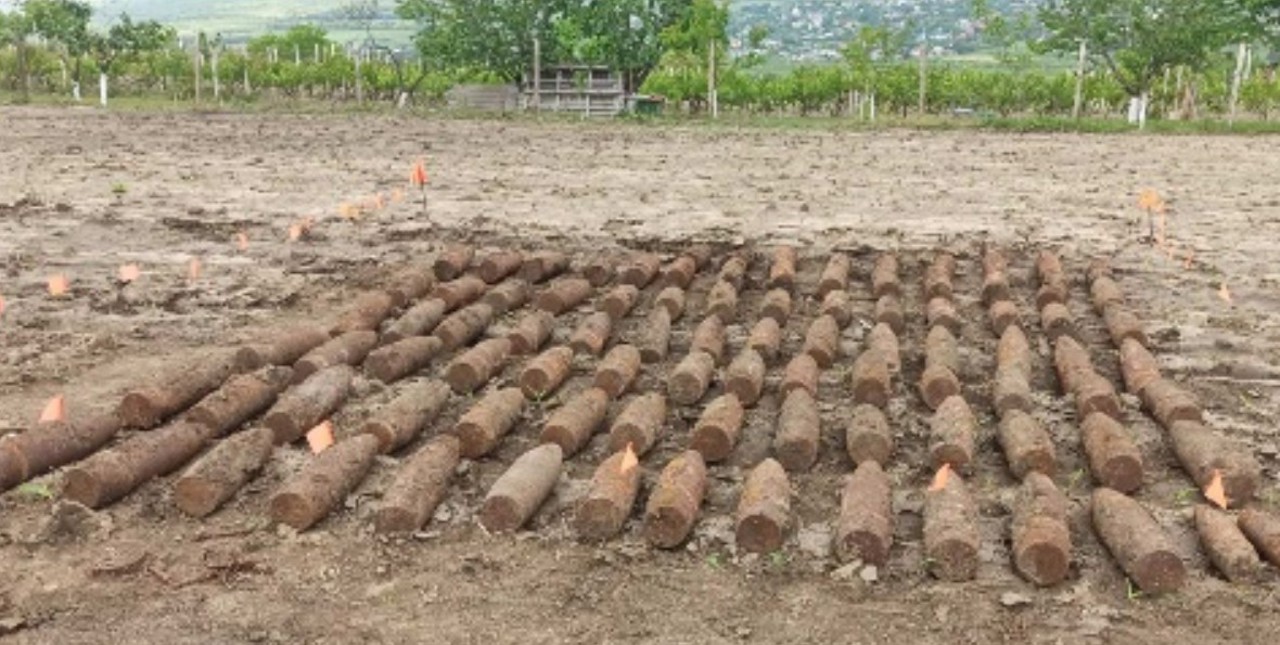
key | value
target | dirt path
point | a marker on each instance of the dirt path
(86, 192)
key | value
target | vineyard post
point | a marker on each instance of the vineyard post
(297, 55)
(217, 84)
(196, 61)
(316, 54)
(537, 74)
(248, 89)
(359, 81)
(712, 100)
(1236, 78)
(1079, 97)
(924, 76)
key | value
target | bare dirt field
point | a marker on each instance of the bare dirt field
(84, 192)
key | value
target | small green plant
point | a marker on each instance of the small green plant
(1133, 593)
(119, 189)
(778, 559)
(1185, 496)
(35, 490)
(1076, 478)
(715, 561)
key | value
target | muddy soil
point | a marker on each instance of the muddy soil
(85, 192)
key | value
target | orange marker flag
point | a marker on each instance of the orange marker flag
(1214, 492)
(940, 479)
(58, 285)
(242, 241)
(320, 437)
(129, 273)
(1148, 199)
(1, 306)
(1189, 261)
(55, 411)
(629, 460)
(295, 231)
(1224, 293)
(418, 177)
(193, 269)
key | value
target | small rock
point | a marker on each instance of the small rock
(73, 522)
(443, 514)
(1014, 599)
(11, 624)
(869, 573)
(815, 540)
(846, 572)
(1269, 450)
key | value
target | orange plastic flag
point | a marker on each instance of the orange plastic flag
(320, 437)
(1224, 293)
(1215, 492)
(242, 241)
(295, 231)
(55, 411)
(129, 273)
(1, 305)
(419, 175)
(58, 285)
(629, 460)
(940, 479)
(193, 269)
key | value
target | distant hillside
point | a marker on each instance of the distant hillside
(238, 20)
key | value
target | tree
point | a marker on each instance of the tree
(15, 28)
(1139, 39)
(684, 70)
(64, 23)
(303, 40)
(126, 39)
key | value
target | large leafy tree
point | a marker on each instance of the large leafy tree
(125, 39)
(64, 23)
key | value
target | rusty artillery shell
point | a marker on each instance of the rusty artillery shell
(871, 380)
(937, 278)
(673, 507)
(563, 295)
(1138, 366)
(1027, 447)
(408, 285)
(745, 377)
(46, 446)
(766, 339)
(453, 262)
(1071, 361)
(313, 492)
(717, 431)
(639, 424)
(722, 301)
(702, 255)
(799, 430)
(601, 269)
(884, 277)
(801, 373)
(419, 487)
(1123, 325)
(1010, 392)
(1003, 315)
(1014, 352)
(1057, 322)
(951, 531)
(172, 390)
(472, 370)
(1137, 542)
(285, 349)
(518, 493)
(239, 399)
(401, 421)
(461, 292)
(764, 509)
(937, 384)
(822, 341)
(621, 301)
(618, 371)
(865, 528)
(215, 477)
(497, 266)
(1105, 292)
(1098, 268)
(995, 287)
(546, 373)
(1094, 393)
(572, 424)
(592, 334)
(889, 312)
(1052, 293)
(951, 432)
(508, 296)
(838, 305)
(1114, 460)
(1263, 530)
(680, 272)
(1228, 548)
(640, 270)
(782, 272)
(610, 496)
(483, 426)
(994, 261)
(1041, 539)
(110, 474)
(868, 437)
(350, 348)
(464, 326)
(531, 332)
(882, 339)
(942, 350)
(1049, 267)
(420, 319)
(835, 275)
(366, 313)
(1169, 403)
(304, 406)
(941, 312)
(673, 300)
(654, 339)
(1202, 452)
(393, 362)
(733, 271)
(543, 265)
(710, 336)
(777, 305)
